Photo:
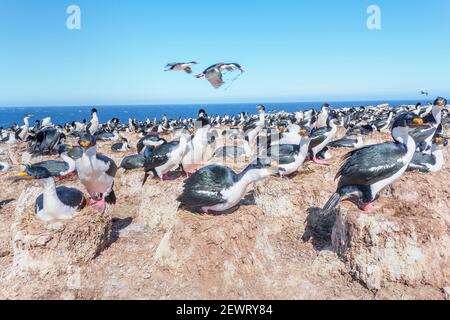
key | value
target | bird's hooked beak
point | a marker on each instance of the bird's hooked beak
(281, 129)
(201, 75)
(418, 123)
(304, 133)
(191, 130)
(24, 175)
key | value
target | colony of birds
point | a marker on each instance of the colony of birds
(269, 143)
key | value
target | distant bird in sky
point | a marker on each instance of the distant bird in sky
(214, 74)
(424, 93)
(180, 66)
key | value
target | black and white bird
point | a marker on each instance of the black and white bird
(64, 168)
(291, 156)
(151, 141)
(21, 134)
(46, 141)
(4, 166)
(366, 171)
(180, 66)
(320, 137)
(216, 188)
(433, 162)
(55, 203)
(214, 73)
(166, 157)
(96, 173)
(423, 137)
(121, 146)
(322, 117)
(349, 141)
(94, 124)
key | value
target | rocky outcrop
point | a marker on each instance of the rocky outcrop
(51, 247)
(378, 249)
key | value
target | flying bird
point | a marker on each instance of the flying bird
(214, 74)
(424, 93)
(180, 66)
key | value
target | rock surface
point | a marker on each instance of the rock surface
(277, 245)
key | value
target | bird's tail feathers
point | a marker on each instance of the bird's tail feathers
(331, 204)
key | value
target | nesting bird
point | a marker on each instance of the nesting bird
(55, 203)
(216, 188)
(367, 171)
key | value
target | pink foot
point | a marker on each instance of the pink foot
(168, 177)
(367, 207)
(320, 162)
(99, 205)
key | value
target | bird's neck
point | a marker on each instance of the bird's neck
(401, 135)
(49, 186)
(68, 160)
(91, 152)
(437, 114)
(250, 175)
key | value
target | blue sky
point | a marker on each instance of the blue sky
(291, 50)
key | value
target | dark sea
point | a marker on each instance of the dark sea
(63, 114)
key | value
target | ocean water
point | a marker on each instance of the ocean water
(61, 115)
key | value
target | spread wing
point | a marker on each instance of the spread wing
(371, 164)
(204, 187)
(215, 78)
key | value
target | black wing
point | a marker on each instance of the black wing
(344, 142)
(420, 135)
(419, 160)
(55, 167)
(371, 164)
(203, 188)
(112, 165)
(160, 155)
(284, 153)
(133, 162)
(71, 197)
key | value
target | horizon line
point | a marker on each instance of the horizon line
(205, 103)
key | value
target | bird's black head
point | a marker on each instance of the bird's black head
(64, 148)
(261, 108)
(332, 119)
(408, 120)
(94, 111)
(35, 172)
(87, 141)
(441, 102)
